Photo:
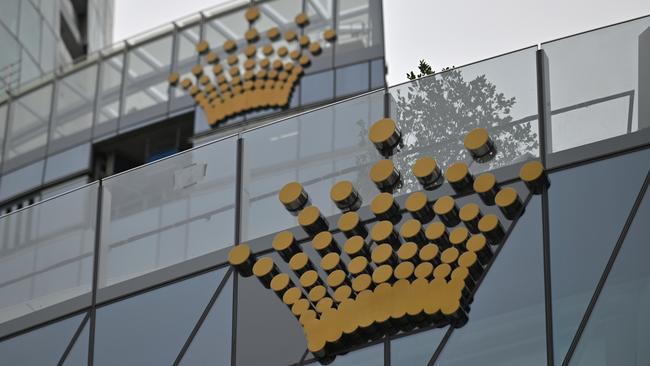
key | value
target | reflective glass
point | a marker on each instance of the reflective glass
(507, 323)
(317, 87)
(30, 29)
(46, 253)
(10, 56)
(78, 355)
(43, 346)
(21, 180)
(377, 74)
(187, 57)
(67, 163)
(73, 117)
(596, 95)
(211, 345)
(352, 79)
(29, 69)
(3, 125)
(28, 126)
(588, 206)
(368, 356)
(416, 349)
(146, 94)
(358, 31)
(168, 212)
(110, 83)
(321, 18)
(48, 47)
(316, 149)
(9, 13)
(435, 113)
(619, 326)
(150, 329)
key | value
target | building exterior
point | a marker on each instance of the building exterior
(131, 266)
(38, 36)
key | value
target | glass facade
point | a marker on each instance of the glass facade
(147, 271)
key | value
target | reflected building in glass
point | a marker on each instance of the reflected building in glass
(122, 194)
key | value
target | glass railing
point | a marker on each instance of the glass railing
(158, 216)
(124, 87)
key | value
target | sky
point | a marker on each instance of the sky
(445, 33)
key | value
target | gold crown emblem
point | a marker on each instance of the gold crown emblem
(265, 79)
(423, 274)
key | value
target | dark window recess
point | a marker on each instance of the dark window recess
(142, 146)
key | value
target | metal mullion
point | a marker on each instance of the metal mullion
(237, 238)
(441, 345)
(98, 77)
(607, 270)
(543, 120)
(387, 352)
(74, 339)
(173, 64)
(50, 122)
(202, 318)
(122, 96)
(93, 305)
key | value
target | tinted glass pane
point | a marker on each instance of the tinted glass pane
(352, 79)
(43, 346)
(68, 162)
(73, 119)
(417, 349)
(588, 206)
(619, 327)
(3, 125)
(48, 47)
(21, 180)
(587, 108)
(369, 356)
(211, 345)
(9, 13)
(27, 131)
(168, 212)
(316, 149)
(10, 57)
(506, 322)
(435, 113)
(109, 94)
(359, 31)
(151, 328)
(29, 69)
(30, 29)
(46, 253)
(78, 355)
(187, 57)
(317, 87)
(321, 18)
(377, 74)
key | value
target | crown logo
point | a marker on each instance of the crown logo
(265, 79)
(382, 280)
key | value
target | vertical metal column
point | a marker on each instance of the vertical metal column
(238, 236)
(93, 303)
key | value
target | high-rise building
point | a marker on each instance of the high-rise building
(241, 187)
(37, 36)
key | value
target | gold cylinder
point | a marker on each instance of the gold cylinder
(409, 252)
(362, 282)
(312, 221)
(442, 271)
(384, 207)
(324, 243)
(351, 225)
(470, 214)
(412, 231)
(478, 244)
(491, 228)
(265, 269)
(509, 202)
(534, 176)
(436, 232)
(356, 246)
(446, 209)
(285, 244)
(428, 173)
(294, 197)
(331, 262)
(458, 238)
(242, 259)
(385, 135)
(417, 204)
(343, 293)
(383, 273)
(480, 145)
(430, 253)
(384, 232)
(384, 254)
(470, 261)
(385, 176)
(300, 263)
(404, 271)
(459, 177)
(337, 278)
(358, 265)
(487, 188)
(424, 270)
(345, 196)
(309, 279)
(450, 256)
(281, 283)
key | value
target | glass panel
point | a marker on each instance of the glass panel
(45, 256)
(146, 81)
(9, 58)
(43, 346)
(211, 345)
(317, 87)
(48, 47)
(369, 356)
(588, 206)
(316, 149)
(435, 113)
(110, 83)
(150, 329)
(416, 349)
(186, 41)
(168, 212)
(27, 131)
(321, 18)
(68, 162)
(597, 95)
(29, 69)
(352, 79)
(359, 31)
(619, 326)
(73, 119)
(3, 126)
(30, 29)
(377, 74)
(21, 180)
(507, 324)
(229, 26)
(9, 14)
(78, 355)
